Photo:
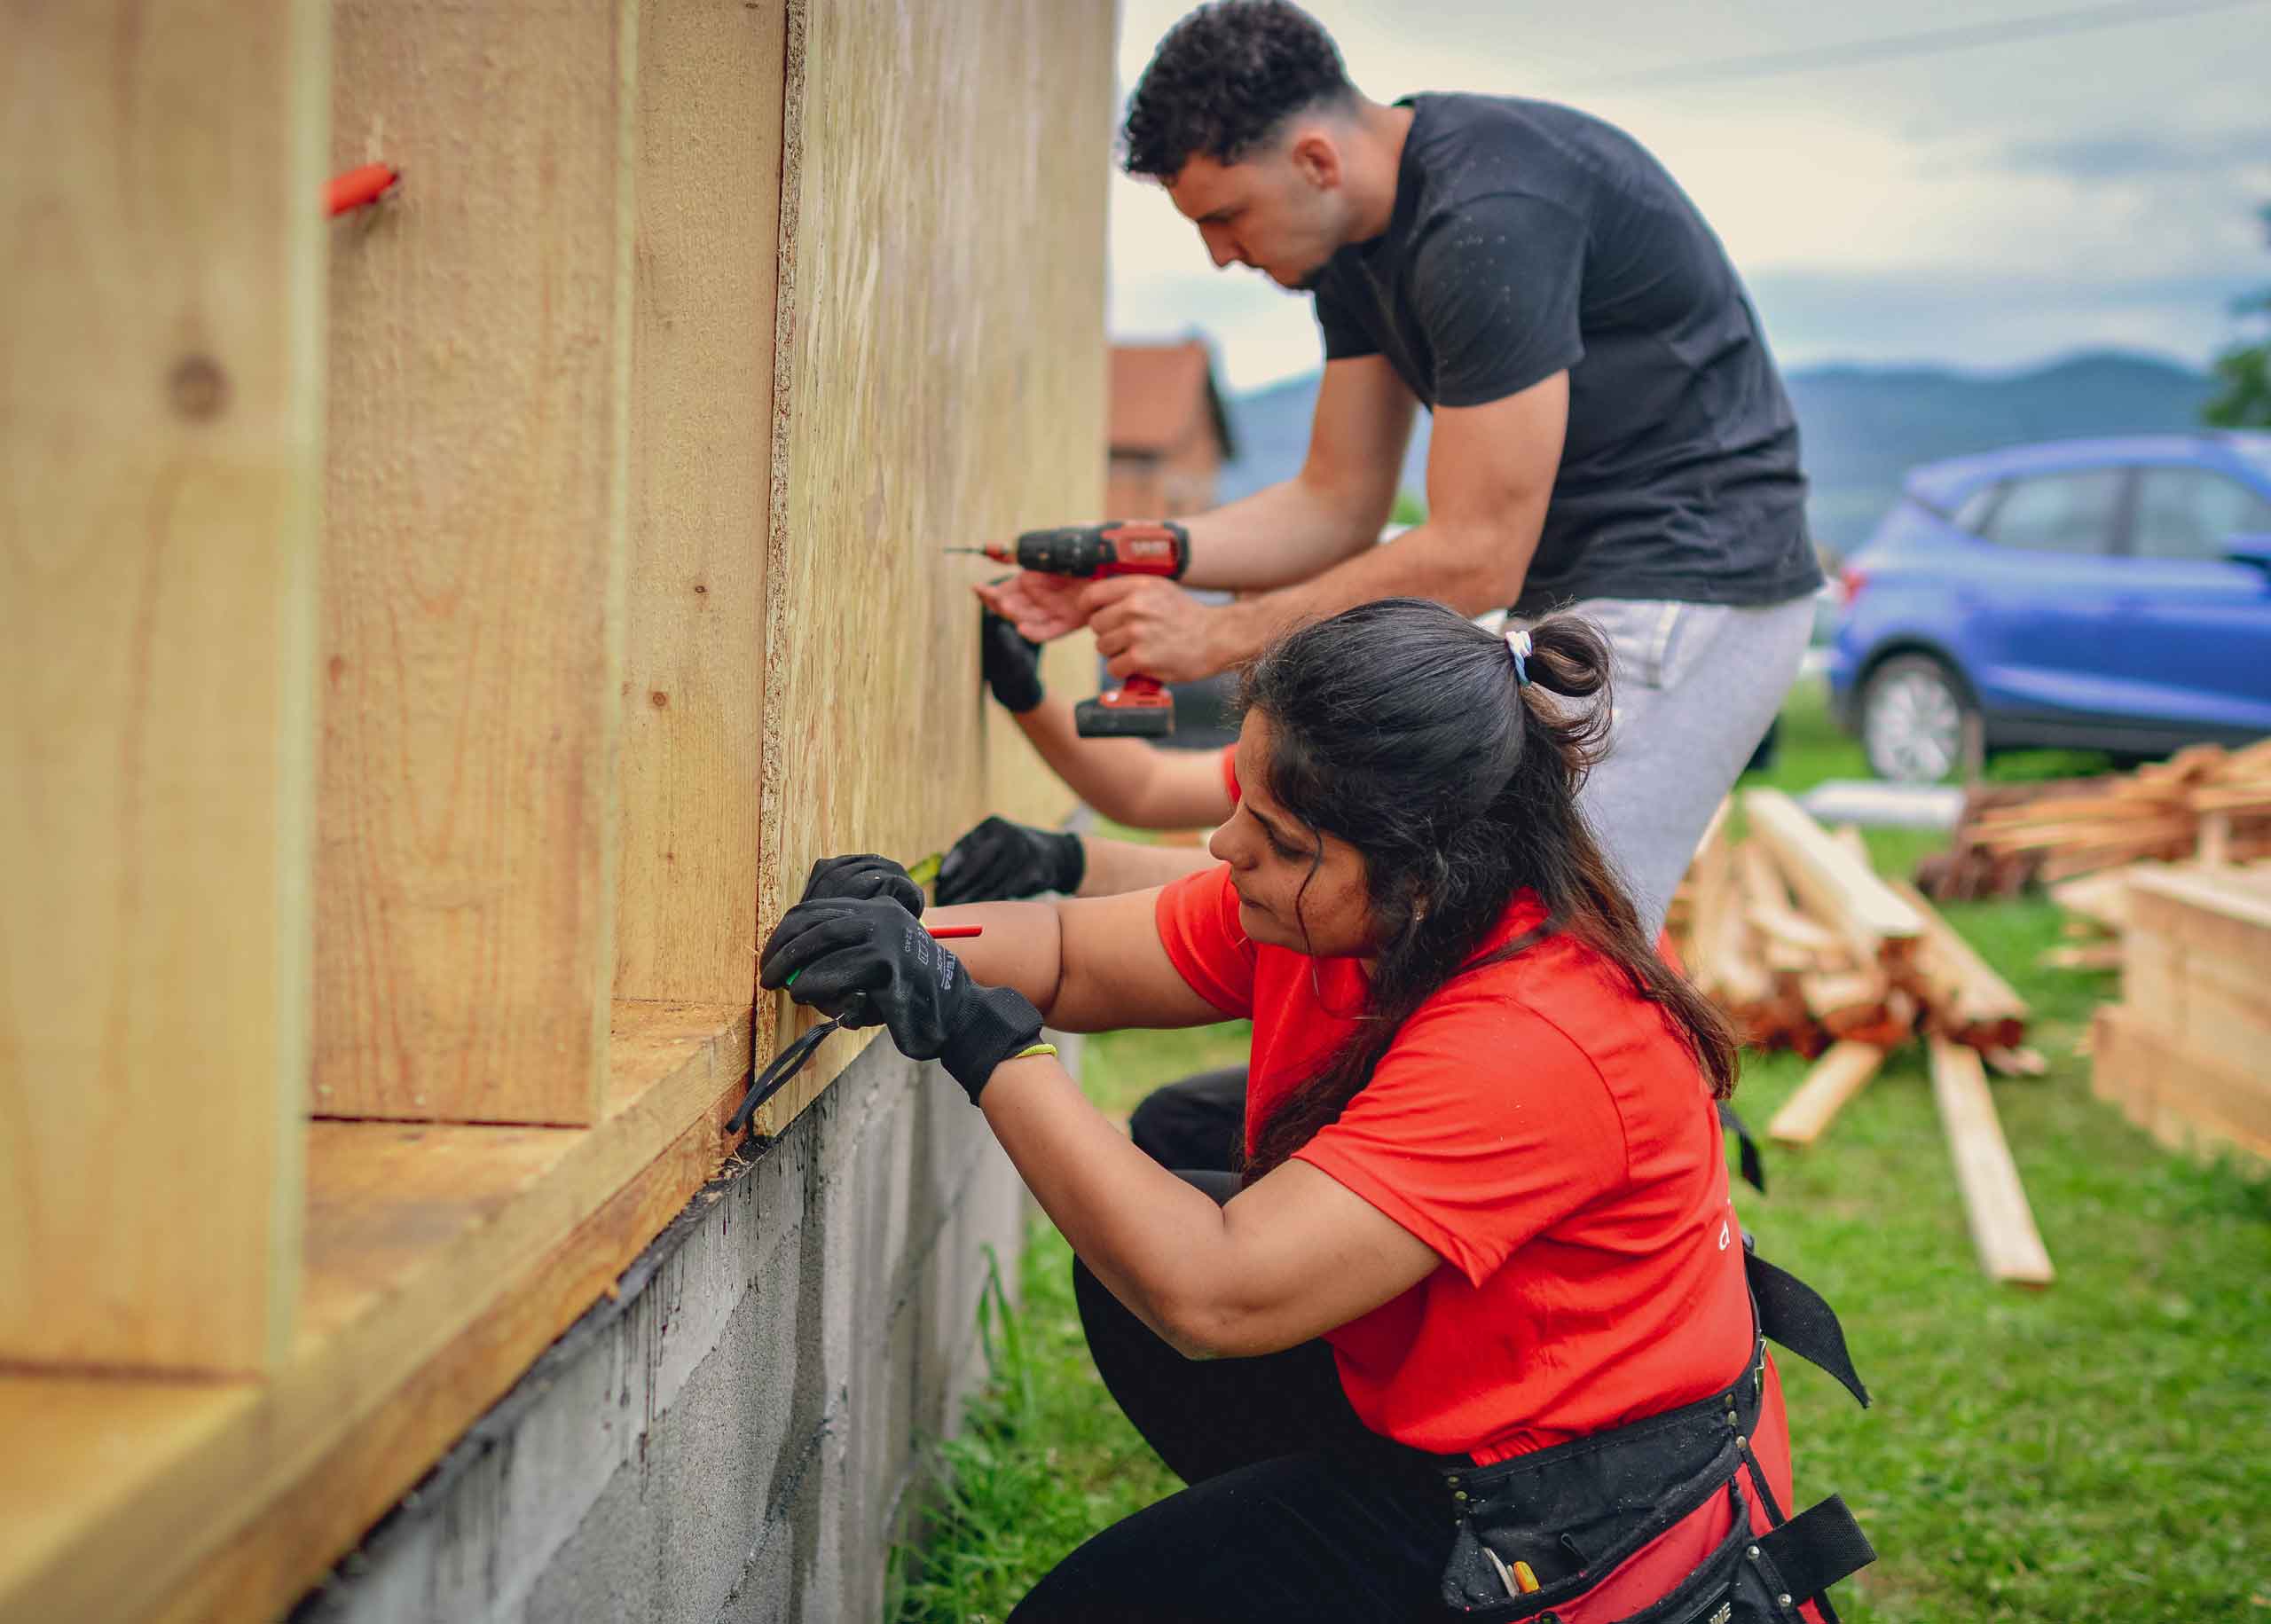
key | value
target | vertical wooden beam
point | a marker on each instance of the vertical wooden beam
(160, 426)
(709, 215)
(477, 526)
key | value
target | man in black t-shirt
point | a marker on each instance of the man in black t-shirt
(1610, 433)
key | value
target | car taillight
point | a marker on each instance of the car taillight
(1850, 582)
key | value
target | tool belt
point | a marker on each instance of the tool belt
(1600, 1522)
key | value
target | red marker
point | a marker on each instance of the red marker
(359, 188)
(954, 933)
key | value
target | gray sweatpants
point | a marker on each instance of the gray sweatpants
(1694, 686)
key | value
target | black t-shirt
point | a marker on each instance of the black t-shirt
(1528, 239)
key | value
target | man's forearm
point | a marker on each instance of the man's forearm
(1281, 534)
(1472, 571)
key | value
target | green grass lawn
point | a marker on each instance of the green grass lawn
(2097, 1451)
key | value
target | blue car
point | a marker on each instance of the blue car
(2108, 594)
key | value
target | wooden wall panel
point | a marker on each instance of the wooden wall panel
(709, 208)
(477, 526)
(941, 342)
(161, 431)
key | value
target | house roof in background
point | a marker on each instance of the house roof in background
(1157, 391)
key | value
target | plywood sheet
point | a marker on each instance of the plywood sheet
(942, 355)
(477, 518)
(161, 395)
(709, 208)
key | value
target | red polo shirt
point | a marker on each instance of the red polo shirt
(1548, 1134)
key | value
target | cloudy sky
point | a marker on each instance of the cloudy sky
(2051, 186)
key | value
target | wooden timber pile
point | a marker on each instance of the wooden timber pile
(2187, 1055)
(1792, 931)
(2206, 801)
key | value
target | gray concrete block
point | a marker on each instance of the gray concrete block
(737, 1438)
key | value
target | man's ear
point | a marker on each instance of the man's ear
(1316, 156)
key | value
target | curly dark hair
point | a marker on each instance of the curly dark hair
(1224, 80)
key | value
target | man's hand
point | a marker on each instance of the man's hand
(1143, 624)
(1043, 606)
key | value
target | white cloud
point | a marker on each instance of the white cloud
(2026, 197)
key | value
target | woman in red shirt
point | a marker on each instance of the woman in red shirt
(1472, 1334)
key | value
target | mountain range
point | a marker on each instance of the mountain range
(1861, 427)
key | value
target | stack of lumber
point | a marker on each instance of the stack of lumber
(1794, 935)
(1793, 932)
(2207, 803)
(2187, 1055)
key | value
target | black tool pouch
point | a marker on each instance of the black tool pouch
(1575, 1514)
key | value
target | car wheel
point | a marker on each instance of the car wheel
(1915, 717)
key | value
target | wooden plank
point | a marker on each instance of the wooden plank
(1709, 886)
(1839, 889)
(2188, 1102)
(1969, 1000)
(1994, 1202)
(160, 434)
(940, 342)
(441, 1261)
(1835, 1078)
(709, 214)
(477, 531)
(1766, 899)
(2102, 898)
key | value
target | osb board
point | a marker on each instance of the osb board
(160, 443)
(477, 519)
(942, 355)
(708, 218)
(441, 1259)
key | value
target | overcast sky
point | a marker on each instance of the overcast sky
(1987, 207)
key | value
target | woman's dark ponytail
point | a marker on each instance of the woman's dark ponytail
(1406, 731)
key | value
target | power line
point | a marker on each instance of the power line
(1931, 41)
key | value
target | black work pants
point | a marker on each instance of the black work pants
(1296, 1510)
(1197, 1124)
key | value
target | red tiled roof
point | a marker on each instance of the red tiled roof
(1158, 392)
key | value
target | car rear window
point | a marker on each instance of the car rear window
(2058, 513)
(2192, 514)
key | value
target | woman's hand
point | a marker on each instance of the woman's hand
(1010, 663)
(862, 876)
(870, 961)
(999, 861)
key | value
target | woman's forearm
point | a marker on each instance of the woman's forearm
(1126, 780)
(1149, 1236)
(1022, 946)
(1115, 866)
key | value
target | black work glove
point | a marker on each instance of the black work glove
(871, 962)
(1000, 860)
(1011, 662)
(864, 875)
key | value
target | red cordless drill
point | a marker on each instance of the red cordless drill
(1140, 707)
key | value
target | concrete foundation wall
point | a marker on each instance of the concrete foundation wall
(736, 1436)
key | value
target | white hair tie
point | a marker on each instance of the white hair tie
(1518, 645)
